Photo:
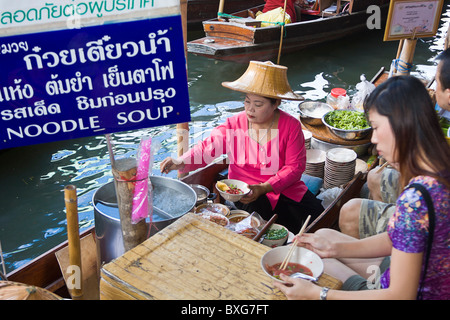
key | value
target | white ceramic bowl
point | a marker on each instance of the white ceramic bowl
(234, 197)
(315, 156)
(300, 255)
(275, 242)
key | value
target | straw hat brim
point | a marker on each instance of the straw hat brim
(265, 79)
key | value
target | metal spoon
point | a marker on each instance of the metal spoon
(303, 276)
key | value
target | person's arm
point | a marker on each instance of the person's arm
(372, 247)
(200, 155)
(379, 245)
(204, 152)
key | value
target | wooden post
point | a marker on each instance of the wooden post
(221, 5)
(73, 236)
(124, 172)
(406, 57)
(183, 128)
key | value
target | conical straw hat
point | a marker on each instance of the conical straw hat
(20, 291)
(265, 79)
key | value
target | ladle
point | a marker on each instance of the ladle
(159, 211)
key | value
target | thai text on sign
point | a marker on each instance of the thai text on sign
(71, 83)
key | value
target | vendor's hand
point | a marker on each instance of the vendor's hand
(319, 244)
(256, 190)
(169, 164)
(298, 289)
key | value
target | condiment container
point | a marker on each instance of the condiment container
(338, 98)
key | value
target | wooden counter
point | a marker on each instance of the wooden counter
(192, 259)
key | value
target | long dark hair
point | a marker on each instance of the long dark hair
(415, 124)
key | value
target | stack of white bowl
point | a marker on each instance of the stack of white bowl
(315, 162)
(339, 167)
(308, 135)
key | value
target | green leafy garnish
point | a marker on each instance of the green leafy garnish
(347, 120)
(275, 234)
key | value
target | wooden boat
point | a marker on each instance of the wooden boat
(45, 272)
(239, 39)
(201, 10)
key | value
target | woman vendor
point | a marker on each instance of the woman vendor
(265, 148)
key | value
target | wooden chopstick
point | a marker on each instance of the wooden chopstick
(264, 229)
(291, 250)
(382, 167)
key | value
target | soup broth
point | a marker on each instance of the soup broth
(291, 268)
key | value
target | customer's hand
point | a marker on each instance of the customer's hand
(319, 244)
(169, 164)
(297, 289)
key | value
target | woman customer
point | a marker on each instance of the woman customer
(361, 218)
(265, 148)
(407, 134)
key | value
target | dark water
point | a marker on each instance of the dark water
(32, 216)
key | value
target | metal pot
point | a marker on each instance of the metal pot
(203, 194)
(171, 200)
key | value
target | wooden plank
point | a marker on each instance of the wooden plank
(90, 274)
(191, 259)
(229, 30)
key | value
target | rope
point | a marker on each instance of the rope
(404, 67)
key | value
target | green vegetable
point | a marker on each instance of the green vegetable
(445, 125)
(275, 234)
(347, 120)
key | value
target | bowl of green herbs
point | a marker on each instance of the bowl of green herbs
(277, 235)
(347, 124)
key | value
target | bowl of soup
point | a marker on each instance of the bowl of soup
(232, 190)
(302, 260)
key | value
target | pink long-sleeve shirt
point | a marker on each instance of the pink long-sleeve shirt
(280, 162)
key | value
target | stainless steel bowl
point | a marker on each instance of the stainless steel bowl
(311, 112)
(347, 134)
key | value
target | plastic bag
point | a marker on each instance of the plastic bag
(275, 15)
(343, 102)
(364, 89)
(143, 191)
(328, 195)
